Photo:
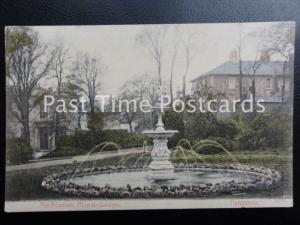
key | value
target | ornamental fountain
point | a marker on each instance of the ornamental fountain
(160, 167)
(161, 178)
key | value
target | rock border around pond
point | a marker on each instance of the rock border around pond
(60, 183)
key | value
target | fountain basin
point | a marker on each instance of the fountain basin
(160, 133)
(183, 177)
(193, 181)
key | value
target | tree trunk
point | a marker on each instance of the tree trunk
(171, 89)
(183, 86)
(26, 128)
(92, 105)
(241, 73)
(253, 90)
(159, 73)
(130, 126)
(283, 85)
(241, 87)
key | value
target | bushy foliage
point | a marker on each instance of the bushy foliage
(174, 121)
(209, 146)
(83, 141)
(265, 130)
(200, 125)
(18, 151)
(95, 122)
(214, 145)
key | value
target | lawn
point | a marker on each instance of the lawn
(26, 184)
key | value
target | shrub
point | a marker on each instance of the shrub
(249, 140)
(204, 125)
(272, 131)
(83, 141)
(265, 130)
(64, 151)
(174, 121)
(226, 129)
(211, 146)
(134, 140)
(95, 122)
(18, 151)
(200, 125)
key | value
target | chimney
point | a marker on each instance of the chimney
(264, 56)
(233, 56)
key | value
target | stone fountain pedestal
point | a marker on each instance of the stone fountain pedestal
(160, 167)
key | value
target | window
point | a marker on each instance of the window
(221, 86)
(44, 137)
(232, 84)
(268, 83)
(42, 113)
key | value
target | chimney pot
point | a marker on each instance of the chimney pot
(233, 56)
(264, 56)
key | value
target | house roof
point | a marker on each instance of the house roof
(270, 68)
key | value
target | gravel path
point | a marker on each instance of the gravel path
(45, 163)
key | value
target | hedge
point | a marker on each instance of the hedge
(84, 141)
(18, 151)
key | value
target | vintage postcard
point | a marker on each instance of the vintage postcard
(118, 117)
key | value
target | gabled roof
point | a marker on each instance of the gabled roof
(270, 68)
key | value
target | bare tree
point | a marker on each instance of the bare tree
(138, 88)
(59, 67)
(254, 67)
(86, 73)
(152, 90)
(281, 43)
(153, 38)
(27, 63)
(128, 113)
(240, 61)
(173, 60)
(190, 51)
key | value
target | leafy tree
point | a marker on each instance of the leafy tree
(26, 64)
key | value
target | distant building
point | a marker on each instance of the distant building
(272, 79)
(42, 124)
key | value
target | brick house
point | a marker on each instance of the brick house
(273, 79)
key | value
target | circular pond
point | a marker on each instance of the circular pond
(197, 180)
(185, 177)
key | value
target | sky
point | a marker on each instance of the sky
(124, 57)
